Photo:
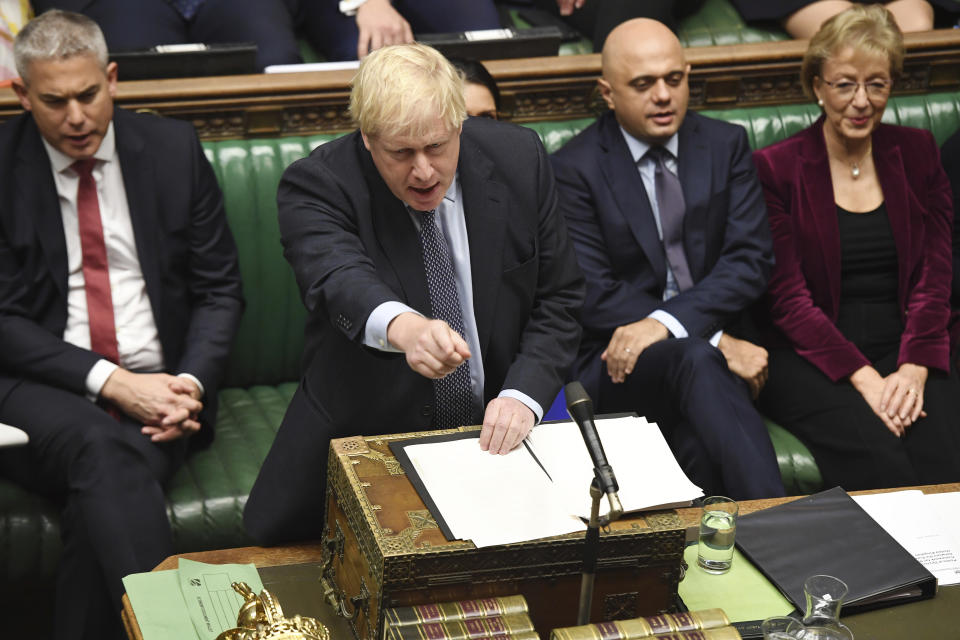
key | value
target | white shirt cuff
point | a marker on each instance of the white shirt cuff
(672, 324)
(375, 331)
(97, 377)
(349, 7)
(715, 338)
(192, 378)
(531, 404)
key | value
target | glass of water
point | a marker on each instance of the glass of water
(718, 528)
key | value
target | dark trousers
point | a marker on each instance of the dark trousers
(335, 35)
(850, 443)
(288, 499)
(705, 414)
(143, 24)
(108, 477)
(597, 18)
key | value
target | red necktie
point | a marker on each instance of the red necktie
(96, 272)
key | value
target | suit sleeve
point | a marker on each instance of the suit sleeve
(549, 340)
(27, 349)
(739, 276)
(215, 293)
(792, 308)
(924, 338)
(321, 240)
(611, 301)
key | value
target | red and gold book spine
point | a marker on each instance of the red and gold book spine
(645, 627)
(495, 627)
(460, 610)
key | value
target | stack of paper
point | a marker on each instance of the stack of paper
(543, 489)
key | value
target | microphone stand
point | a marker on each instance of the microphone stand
(591, 548)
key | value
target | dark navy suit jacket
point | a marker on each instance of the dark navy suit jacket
(726, 235)
(186, 252)
(352, 247)
(805, 285)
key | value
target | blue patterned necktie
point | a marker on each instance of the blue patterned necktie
(672, 207)
(453, 394)
(186, 8)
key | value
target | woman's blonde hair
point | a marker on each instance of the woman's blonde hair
(869, 28)
(402, 89)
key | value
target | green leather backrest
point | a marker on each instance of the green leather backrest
(270, 340)
(271, 334)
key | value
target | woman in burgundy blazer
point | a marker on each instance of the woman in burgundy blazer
(861, 218)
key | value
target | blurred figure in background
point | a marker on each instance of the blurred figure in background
(350, 29)
(480, 89)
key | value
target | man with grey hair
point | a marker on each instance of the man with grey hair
(441, 284)
(119, 298)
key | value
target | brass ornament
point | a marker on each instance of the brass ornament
(261, 618)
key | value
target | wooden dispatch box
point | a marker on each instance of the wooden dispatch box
(382, 548)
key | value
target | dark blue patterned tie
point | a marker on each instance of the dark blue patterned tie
(454, 397)
(186, 8)
(672, 207)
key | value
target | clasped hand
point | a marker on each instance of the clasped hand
(166, 405)
(897, 399)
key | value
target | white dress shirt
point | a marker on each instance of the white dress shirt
(138, 340)
(452, 223)
(647, 167)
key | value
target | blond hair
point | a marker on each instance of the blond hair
(869, 28)
(58, 35)
(402, 90)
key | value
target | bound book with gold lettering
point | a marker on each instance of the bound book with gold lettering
(513, 626)
(646, 627)
(459, 610)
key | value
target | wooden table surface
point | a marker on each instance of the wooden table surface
(312, 552)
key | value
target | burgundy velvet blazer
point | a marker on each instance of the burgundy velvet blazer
(804, 289)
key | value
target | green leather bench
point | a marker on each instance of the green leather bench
(206, 497)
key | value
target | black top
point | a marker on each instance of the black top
(869, 313)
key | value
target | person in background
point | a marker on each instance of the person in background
(860, 294)
(137, 25)
(595, 19)
(480, 89)
(350, 29)
(669, 226)
(119, 299)
(802, 18)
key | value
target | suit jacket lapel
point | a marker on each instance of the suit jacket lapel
(815, 189)
(140, 181)
(485, 210)
(631, 197)
(694, 171)
(397, 237)
(893, 178)
(37, 194)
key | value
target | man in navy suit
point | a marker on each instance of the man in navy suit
(670, 229)
(119, 298)
(371, 223)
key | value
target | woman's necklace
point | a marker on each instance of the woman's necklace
(855, 165)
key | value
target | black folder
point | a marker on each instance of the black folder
(829, 533)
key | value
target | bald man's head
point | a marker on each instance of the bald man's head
(645, 79)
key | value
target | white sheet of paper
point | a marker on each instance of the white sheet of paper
(946, 507)
(646, 470)
(491, 499)
(911, 520)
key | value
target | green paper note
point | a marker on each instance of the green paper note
(159, 607)
(211, 601)
(743, 593)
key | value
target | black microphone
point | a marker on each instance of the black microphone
(580, 408)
